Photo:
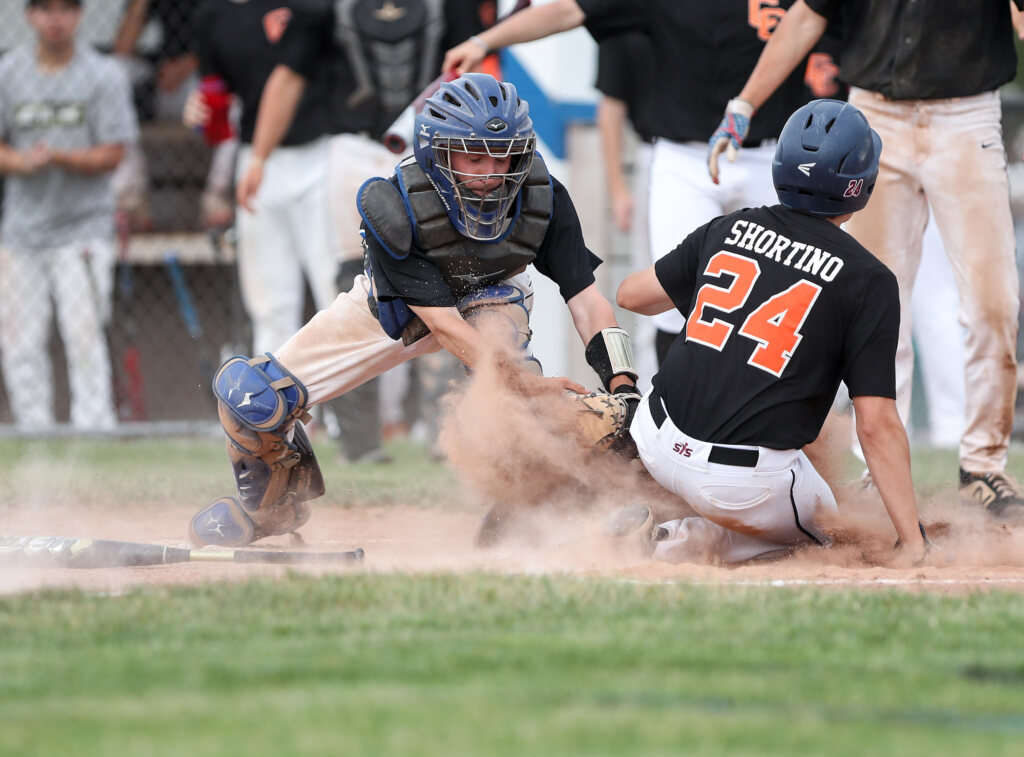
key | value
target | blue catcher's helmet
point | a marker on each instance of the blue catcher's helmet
(826, 161)
(476, 113)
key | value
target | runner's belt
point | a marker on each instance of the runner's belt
(741, 458)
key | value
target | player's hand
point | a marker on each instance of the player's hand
(915, 552)
(622, 209)
(729, 135)
(35, 158)
(196, 113)
(249, 185)
(463, 57)
(532, 385)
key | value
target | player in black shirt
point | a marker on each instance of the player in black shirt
(928, 75)
(447, 238)
(781, 305)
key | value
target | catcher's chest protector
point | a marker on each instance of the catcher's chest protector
(391, 49)
(466, 264)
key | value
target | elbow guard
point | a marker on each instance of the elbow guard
(610, 354)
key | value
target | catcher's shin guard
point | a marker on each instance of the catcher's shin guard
(275, 469)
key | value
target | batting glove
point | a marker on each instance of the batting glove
(729, 135)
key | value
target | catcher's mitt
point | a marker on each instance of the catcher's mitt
(604, 419)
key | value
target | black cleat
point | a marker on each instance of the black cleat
(996, 491)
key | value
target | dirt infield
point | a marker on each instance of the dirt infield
(976, 555)
(534, 456)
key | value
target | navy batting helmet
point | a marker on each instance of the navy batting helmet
(476, 113)
(826, 161)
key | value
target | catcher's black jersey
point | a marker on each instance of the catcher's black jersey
(780, 307)
(563, 257)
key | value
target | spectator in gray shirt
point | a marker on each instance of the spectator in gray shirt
(65, 118)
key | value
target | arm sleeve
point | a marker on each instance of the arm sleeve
(827, 8)
(607, 18)
(869, 353)
(612, 70)
(677, 271)
(113, 115)
(302, 47)
(462, 21)
(563, 256)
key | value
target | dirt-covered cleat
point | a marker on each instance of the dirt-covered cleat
(634, 525)
(999, 494)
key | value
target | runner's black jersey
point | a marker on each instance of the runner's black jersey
(781, 306)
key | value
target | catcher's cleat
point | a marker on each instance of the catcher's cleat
(635, 527)
(999, 493)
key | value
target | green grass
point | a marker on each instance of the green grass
(473, 664)
(485, 665)
(159, 471)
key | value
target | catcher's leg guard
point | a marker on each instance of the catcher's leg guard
(275, 469)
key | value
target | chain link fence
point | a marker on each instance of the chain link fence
(167, 285)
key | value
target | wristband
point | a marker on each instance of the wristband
(483, 45)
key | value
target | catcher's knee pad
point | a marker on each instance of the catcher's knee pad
(274, 465)
(503, 304)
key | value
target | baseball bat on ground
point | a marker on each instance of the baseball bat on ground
(74, 552)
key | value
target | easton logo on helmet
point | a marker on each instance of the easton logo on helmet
(496, 124)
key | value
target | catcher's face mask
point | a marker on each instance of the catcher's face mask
(485, 176)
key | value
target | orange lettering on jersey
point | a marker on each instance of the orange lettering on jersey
(744, 272)
(764, 15)
(820, 76)
(274, 24)
(776, 325)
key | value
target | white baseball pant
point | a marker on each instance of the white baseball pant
(683, 197)
(354, 158)
(949, 154)
(77, 280)
(939, 342)
(286, 242)
(344, 346)
(747, 510)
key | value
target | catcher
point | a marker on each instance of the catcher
(447, 239)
